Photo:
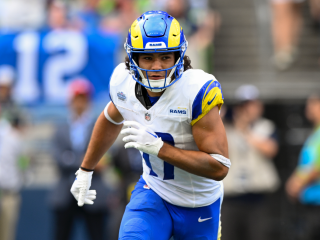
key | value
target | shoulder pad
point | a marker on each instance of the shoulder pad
(204, 91)
(119, 74)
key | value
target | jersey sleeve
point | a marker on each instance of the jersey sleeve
(117, 77)
(209, 96)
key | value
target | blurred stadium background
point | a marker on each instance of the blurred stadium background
(49, 44)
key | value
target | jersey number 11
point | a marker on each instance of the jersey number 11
(167, 167)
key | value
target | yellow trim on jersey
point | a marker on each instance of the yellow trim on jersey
(212, 98)
(136, 36)
(174, 34)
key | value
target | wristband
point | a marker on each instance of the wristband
(86, 169)
(225, 161)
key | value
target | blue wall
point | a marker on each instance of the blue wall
(36, 219)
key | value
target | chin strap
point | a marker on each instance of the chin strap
(156, 83)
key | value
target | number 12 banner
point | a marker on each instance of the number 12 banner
(46, 62)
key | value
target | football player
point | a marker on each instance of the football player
(171, 114)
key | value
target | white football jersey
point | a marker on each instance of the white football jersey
(171, 118)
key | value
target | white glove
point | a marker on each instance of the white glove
(80, 188)
(142, 138)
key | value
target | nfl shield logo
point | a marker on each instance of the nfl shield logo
(147, 116)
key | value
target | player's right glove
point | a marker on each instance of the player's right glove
(80, 188)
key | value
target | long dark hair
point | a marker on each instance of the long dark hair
(186, 61)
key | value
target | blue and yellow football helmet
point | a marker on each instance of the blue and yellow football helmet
(153, 32)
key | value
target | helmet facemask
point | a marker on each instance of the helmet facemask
(161, 84)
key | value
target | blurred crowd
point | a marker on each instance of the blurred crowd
(12, 157)
(287, 25)
(253, 140)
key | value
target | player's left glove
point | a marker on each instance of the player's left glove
(142, 138)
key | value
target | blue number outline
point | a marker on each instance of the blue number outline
(167, 167)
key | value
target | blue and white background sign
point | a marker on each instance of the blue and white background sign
(47, 61)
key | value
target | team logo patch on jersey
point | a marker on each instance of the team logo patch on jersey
(178, 111)
(121, 96)
(147, 116)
